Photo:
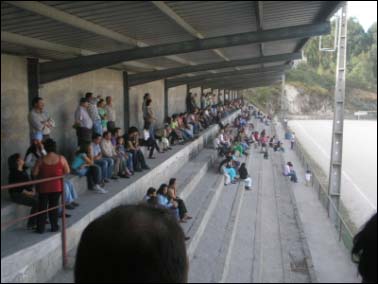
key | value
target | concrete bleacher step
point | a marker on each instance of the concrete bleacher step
(192, 180)
(208, 250)
(30, 257)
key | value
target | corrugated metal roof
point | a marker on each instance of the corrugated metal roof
(143, 21)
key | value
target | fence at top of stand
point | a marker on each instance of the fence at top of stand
(320, 186)
(62, 205)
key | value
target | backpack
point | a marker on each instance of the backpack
(266, 155)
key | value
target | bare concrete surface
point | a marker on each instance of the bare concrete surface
(331, 260)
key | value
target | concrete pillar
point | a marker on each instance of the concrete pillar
(33, 79)
(126, 102)
(166, 102)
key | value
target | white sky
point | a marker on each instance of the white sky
(364, 11)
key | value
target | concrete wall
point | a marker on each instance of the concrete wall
(176, 99)
(198, 92)
(62, 98)
(14, 110)
(136, 93)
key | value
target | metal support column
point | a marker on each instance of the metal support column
(166, 110)
(219, 97)
(334, 186)
(126, 101)
(33, 79)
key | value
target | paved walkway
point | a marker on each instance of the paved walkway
(332, 262)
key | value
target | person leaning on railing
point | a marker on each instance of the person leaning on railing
(24, 195)
(51, 165)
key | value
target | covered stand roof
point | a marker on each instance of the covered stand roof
(244, 37)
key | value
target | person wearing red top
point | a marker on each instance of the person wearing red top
(51, 165)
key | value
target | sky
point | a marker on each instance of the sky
(364, 11)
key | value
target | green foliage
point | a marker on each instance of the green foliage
(361, 60)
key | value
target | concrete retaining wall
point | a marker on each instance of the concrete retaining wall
(136, 93)
(14, 110)
(176, 99)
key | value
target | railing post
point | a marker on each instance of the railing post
(64, 237)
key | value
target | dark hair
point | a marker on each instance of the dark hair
(242, 165)
(50, 145)
(151, 190)
(115, 130)
(83, 148)
(12, 162)
(100, 101)
(289, 164)
(95, 136)
(36, 100)
(118, 139)
(364, 251)
(161, 188)
(145, 95)
(88, 95)
(132, 244)
(133, 129)
(105, 133)
(172, 181)
(148, 102)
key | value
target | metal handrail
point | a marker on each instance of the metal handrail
(63, 205)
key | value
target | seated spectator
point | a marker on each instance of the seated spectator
(243, 174)
(132, 244)
(126, 158)
(35, 152)
(164, 134)
(147, 141)
(364, 251)
(308, 177)
(278, 147)
(108, 151)
(172, 195)
(151, 192)
(106, 164)
(163, 200)
(272, 141)
(83, 165)
(139, 163)
(115, 134)
(289, 171)
(24, 195)
(230, 171)
(175, 128)
(51, 165)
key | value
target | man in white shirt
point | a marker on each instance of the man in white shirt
(83, 123)
(39, 120)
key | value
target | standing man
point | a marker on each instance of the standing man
(39, 120)
(111, 114)
(93, 113)
(83, 123)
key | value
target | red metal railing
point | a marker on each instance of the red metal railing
(63, 230)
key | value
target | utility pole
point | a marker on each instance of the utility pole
(335, 173)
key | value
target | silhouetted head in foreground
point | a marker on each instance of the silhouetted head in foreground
(132, 244)
(364, 251)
